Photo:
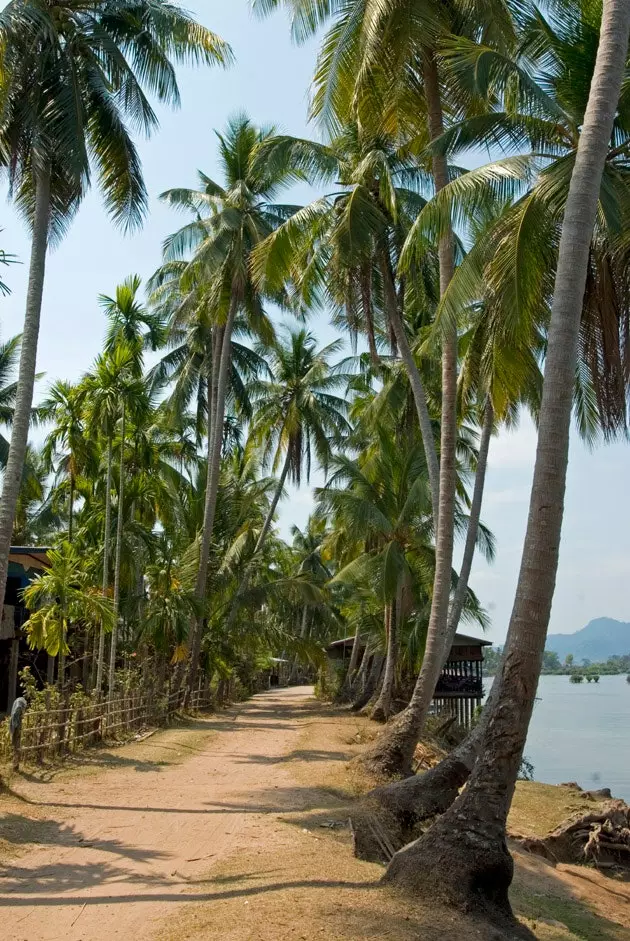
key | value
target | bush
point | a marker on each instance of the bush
(596, 678)
(577, 678)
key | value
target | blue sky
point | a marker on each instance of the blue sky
(270, 82)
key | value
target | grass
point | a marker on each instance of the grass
(557, 918)
(539, 808)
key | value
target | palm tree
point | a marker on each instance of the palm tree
(63, 595)
(469, 839)
(106, 389)
(296, 413)
(67, 443)
(73, 74)
(229, 222)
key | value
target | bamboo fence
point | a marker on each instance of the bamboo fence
(48, 734)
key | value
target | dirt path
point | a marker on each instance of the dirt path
(235, 828)
(121, 847)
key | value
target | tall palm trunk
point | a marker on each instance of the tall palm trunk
(71, 507)
(417, 386)
(214, 467)
(61, 677)
(118, 559)
(383, 705)
(26, 375)
(393, 753)
(106, 545)
(459, 597)
(262, 535)
(469, 840)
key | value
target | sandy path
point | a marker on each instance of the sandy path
(121, 848)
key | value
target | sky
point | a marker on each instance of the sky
(270, 83)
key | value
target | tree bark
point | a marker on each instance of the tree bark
(214, 467)
(118, 559)
(106, 544)
(415, 379)
(26, 375)
(464, 859)
(13, 670)
(393, 752)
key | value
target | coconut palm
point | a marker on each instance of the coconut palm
(296, 416)
(230, 220)
(469, 838)
(74, 73)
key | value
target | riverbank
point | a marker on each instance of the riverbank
(236, 828)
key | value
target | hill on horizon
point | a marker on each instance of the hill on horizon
(600, 639)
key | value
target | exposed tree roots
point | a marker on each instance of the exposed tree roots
(601, 836)
(389, 816)
(461, 866)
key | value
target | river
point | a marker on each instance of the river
(581, 732)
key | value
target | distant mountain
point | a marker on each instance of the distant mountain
(599, 640)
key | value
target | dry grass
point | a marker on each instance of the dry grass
(539, 808)
(303, 882)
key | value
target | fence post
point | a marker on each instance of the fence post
(15, 728)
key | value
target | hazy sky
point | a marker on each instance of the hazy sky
(270, 82)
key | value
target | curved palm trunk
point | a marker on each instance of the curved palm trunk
(117, 562)
(417, 385)
(214, 467)
(262, 535)
(26, 375)
(393, 753)
(106, 545)
(469, 840)
(348, 684)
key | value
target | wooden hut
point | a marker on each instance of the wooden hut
(25, 563)
(459, 690)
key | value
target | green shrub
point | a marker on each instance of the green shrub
(577, 678)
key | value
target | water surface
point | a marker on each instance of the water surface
(581, 732)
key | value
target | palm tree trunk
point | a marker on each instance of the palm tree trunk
(26, 375)
(303, 631)
(348, 683)
(118, 559)
(368, 312)
(417, 385)
(61, 676)
(469, 839)
(214, 467)
(262, 535)
(106, 543)
(393, 753)
(457, 605)
(70, 508)
(383, 705)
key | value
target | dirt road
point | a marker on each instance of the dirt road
(119, 849)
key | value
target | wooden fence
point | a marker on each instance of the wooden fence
(51, 733)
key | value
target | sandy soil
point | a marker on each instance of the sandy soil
(119, 848)
(236, 828)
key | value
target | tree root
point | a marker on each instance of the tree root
(461, 866)
(601, 836)
(390, 815)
